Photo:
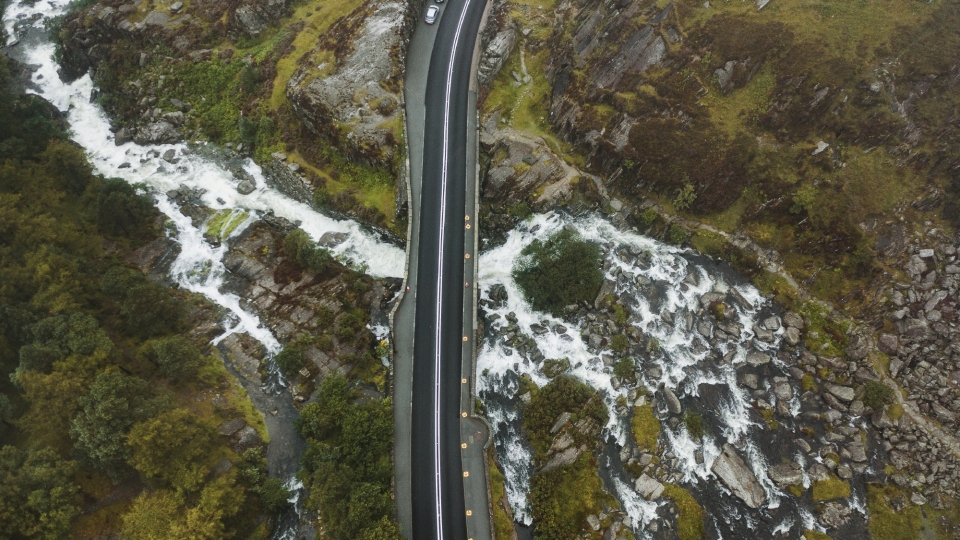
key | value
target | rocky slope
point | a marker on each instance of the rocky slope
(815, 165)
(319, 82)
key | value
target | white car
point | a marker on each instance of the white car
(431, 16)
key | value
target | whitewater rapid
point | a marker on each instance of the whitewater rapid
(198, 267)
(651, 279)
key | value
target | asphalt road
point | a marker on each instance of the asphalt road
(437, 474)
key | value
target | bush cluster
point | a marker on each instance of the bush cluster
(559, 271)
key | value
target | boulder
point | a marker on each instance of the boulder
(844, 393)
(912, 328)
(123, 136)
(332, 239)
(229, 427)
(673, 403)
(791, 336)
(786, 474)
(834, 515)
(858, 347)
(495, 55)
(888, 343)
(648, 487)
(735, 474)
(246, 186)
(157, 133)
(755, 358)
(793, 320)
(170, 156)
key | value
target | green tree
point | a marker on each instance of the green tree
(382, 530)
(559, 271)
(320, 420)
(120, 209)
(172, 447)
(151, 516)
(38, 498)
(174, 356)
(114, 404)
(54, 400)
(274, 495)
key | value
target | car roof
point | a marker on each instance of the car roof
(433, 9)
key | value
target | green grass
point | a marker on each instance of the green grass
(829, 489)
(689, 513)
(815, 535)
(502, 524)
(645, 427)
(317, 17)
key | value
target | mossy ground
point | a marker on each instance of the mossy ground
(645, 427)
(502, 524)
(893, 517)
(829, 489)
(689, 512)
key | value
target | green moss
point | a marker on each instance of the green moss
(224, 222)
(708, 243)
(502, 524)
(895, 411)
(807, 383)
(645, 427)
(884, 522)
(562, 394)
(561, 499)
(689, 513)
(829, 489)
(797, 490)
(815, 535)
(694, 424)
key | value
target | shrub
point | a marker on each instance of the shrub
(290, 359)
(563, 394)
(694, 424)
(676, 235)
(298, 246)
(877, 395)
(625, 369)
(619, 343)
(685, 197)
(174, 356)
(559, 271)
(273, 494)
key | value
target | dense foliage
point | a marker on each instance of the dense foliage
(347, 466)
(559, 271)
(93, 358)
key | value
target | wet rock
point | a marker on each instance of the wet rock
(818, 472)
(834, 515)
(538, 329)
(648, 488)
(755, 358)
(735, 474)
(229, 427)
(771, 323)
(246, 186)
(782, 389)
(608, 288)
(750, 380)
(170, 156)
(857, 451)
(763, 334)
(332, 239)
(673, 403)
(157, 133)
(786, 474)
(844, 393)
(123, 136)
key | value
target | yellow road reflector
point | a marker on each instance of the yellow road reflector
(463, 414)
(466, 474)
(469, 512)
(468, 225)
(463, 445)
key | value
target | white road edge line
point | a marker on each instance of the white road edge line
(443, 208)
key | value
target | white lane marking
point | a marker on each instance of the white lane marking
(443, 211)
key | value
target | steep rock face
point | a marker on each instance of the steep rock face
(735, 474)
(348, 86)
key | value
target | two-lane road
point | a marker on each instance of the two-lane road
(437, 474)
